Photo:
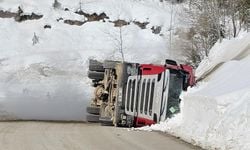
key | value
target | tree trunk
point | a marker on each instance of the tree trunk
(234, 26)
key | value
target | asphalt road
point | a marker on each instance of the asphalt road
(82, 136)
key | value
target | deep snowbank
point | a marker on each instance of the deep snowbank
(43, 86)
(234, 49)
(216, 113)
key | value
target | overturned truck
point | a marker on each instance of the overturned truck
(132, 94)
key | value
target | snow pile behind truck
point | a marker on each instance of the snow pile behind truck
(216, 113)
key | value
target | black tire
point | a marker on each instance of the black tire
(93, 118)
(109, 64)
(107, 124)
(95, 75)
(95, 66)
(93, 110)
(94, 84)
(106, 121)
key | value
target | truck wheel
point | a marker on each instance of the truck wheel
(95, 65)
(107, 124)
(93, 118)
(106, 121)
(95, 75)
(93, 110)
(109, 64)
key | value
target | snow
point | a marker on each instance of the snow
(234, 49)
(47, 81)
(216, 113)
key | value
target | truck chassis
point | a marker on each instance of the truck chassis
(132, 94)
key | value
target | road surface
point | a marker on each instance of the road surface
(82, 136)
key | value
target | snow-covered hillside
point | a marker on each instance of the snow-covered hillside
(44, 59)
(216, 113)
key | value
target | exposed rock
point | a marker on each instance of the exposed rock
(156, 29)
(59, 19)
(20, 10)
(142, 25)
(23, 17)
(117, 23)
(33, 16)
(94, 16)
(120, 23)
(19, 16)
(74, 22)
(7, 14)
(47, 26)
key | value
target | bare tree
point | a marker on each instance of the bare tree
(210, 21)
(121, 43)
(171, 28)
(248, 21)
(118, 39)
(80, 5)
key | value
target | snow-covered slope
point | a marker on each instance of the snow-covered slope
(216, 113)
(47, 79)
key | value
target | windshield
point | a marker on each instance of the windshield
(175, 89)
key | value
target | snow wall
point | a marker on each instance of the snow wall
(216, 113)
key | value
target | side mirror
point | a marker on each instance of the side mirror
(170, 62)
